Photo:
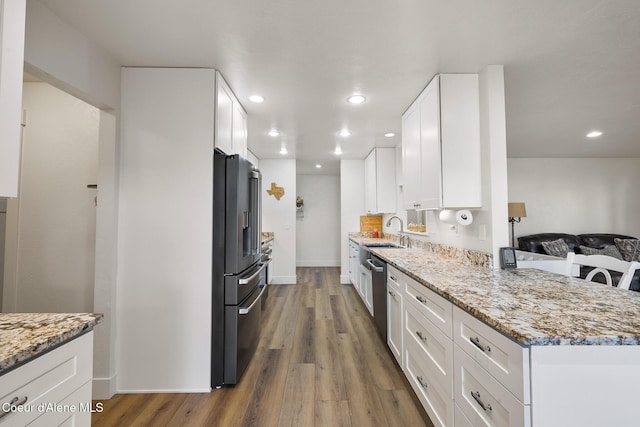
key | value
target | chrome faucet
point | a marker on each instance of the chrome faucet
(401, 232)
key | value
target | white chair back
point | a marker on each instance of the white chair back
(603, 264)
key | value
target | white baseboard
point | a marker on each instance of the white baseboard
(103, 388)
(168, 390)
(325, 263)
(283, 280)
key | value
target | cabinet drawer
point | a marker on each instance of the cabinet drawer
(81, 416)
(503, 358)
(433, 306)
(482, 399)
(394, 278)
(460, 419)
(436, 347)
(47, 379)
(436, 401)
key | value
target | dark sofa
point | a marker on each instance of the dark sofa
(533, 243)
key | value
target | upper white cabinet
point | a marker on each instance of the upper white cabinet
(231, 120)
(12, 23)
(441, 145)
(380, 181)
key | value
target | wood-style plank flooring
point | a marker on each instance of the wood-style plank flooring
(320, 362)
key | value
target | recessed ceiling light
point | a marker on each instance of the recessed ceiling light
(273, 132)
(356, 99)
(256, 98)
(594, 134)
(389, 134)
(284, 151)
(337, 151)
(318, 166)
(345, 133)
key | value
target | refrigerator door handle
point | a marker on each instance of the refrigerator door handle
(247, 280)
(247, 310)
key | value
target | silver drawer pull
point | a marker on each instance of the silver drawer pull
(393, 294)
(476, 341)
(421, 299)
(485, 406)
(393, 278)
(14, 403)
(421, 381)
(421, 336)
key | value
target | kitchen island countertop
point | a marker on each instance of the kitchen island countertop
(24, 336)
(530, 306)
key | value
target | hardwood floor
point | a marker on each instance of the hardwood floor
(319, 363)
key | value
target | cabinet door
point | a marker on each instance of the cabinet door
(12, 23)
(370, 196)
(224, 116)
(239, 129)
(430, 190)
(385, 180)
(411, 169)
(394, 314)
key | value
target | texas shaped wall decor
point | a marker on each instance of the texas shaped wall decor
(276, 191)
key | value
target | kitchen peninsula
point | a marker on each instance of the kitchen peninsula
(46, 367)
(522, 347)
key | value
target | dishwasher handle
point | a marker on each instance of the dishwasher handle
(374, 267)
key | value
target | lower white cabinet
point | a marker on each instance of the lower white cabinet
(354, 263)
(395, 314)
(436, 400)
(52, 389)
(483, 399)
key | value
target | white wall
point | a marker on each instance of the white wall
(65, 58)
(576, 195)
(279, 217)
(351, 207)
(3, 222)
(54, 242)
(163, 301)
(318, 232)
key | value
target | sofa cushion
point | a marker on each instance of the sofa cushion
(601, 240)
(533, 242)
(629, 248)
(611, 251)
(557, 248)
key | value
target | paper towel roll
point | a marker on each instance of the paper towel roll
(462, 217)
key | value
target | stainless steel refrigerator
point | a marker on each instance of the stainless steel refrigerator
(239, 277)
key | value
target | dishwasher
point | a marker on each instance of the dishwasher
(379, 284)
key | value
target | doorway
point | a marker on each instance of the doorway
(51, 226)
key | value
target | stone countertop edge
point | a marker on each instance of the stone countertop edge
(267, 236)
(25, 336)
(532, 307)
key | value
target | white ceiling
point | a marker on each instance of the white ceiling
(570, 66)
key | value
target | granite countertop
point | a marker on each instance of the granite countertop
(531, 306)
(267, 236)
(24, 336)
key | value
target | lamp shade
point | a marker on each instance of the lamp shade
(517, 210)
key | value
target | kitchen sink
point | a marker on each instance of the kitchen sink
(381, 245)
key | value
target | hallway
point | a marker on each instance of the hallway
(319, 363)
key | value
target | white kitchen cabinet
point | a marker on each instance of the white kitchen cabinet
(61, 376)
(366, 288)
(354, 263)
(380, 181)
(395, 328)
(230, 120)
(12, 28)
(441, 145)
